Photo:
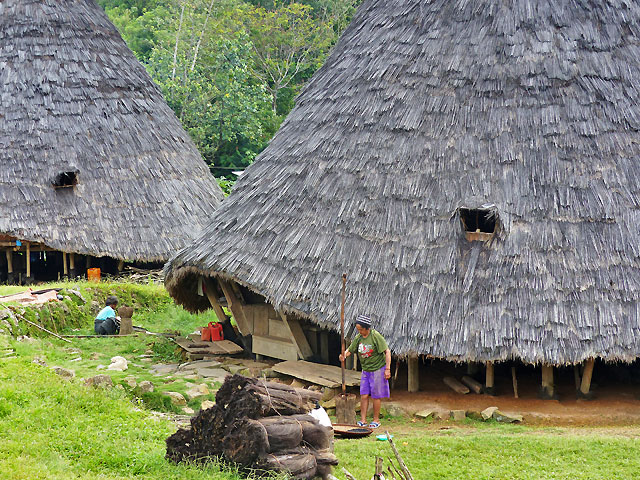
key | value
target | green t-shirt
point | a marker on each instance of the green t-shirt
(370, 350)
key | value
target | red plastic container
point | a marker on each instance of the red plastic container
(212, 333)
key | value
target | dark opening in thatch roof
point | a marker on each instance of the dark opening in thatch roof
(92, 160)
(426, 107)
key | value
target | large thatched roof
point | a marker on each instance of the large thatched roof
(73, 98)
(529, 108)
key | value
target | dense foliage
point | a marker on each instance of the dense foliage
(230, 69)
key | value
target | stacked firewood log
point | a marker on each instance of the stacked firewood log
(259, 426)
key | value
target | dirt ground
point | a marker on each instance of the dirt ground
(616, 392)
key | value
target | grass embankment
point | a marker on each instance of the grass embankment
(55, 429)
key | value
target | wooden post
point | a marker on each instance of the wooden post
(413, 368)
(576, 376)
(488, 383)
(72, 265)
(585, 385)
(88, 259)
(211, 292)
(9, 261)
(65, 270)
(120, 265)
(547, 381)
(514, 379)
(28, 261)
(236, 308)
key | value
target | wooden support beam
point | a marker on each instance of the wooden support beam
(413, 367)
(576, 376)
(120, 265)
(547, 381)
(585, 385)
(28, 260)
(211, 292)
(88, 260)
(9, 261)
(235, 306)
(65, 269)
(514, 379)
(488, 383)
(297, 336)
(72, 263)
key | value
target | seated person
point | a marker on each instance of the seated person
(107, 323)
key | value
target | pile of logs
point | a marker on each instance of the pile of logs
(260, 427)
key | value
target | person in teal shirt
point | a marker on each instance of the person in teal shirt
(375, 358)
(107, 322)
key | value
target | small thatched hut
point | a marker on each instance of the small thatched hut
(92, 159)
(473, 166)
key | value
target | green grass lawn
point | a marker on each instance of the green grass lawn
(56, 429)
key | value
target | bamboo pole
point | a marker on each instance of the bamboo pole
(44, 329)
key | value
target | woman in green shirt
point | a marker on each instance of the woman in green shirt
(375, 358)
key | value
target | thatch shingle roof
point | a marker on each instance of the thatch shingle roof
(73, 98)
(529, 108)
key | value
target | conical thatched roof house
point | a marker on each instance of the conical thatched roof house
(474, 167)
(92, 160)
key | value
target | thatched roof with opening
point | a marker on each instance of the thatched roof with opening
(73, 98)
(531, 109)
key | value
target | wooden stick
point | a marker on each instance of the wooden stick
(379, 468)
(342, 347)
(391, 475)
(44, 329)
(101, 336)
(404, 468)
(398, 472)
(515, 382)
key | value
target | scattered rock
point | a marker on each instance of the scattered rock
(38, 360)
(77, 359)
(233, 369)
(206, 404)
(176, 398)
(475, 415)
(458, 415)
(101, 367)
(77, 294)
(120, 387)
(131, 381)
(315, 388)
(147, 360)
(328, 393)
(506, 417)
(487, 413)
(118, 364)
(148, 352)
(198, 364)
(95, 306)
(329, 404)
(429, 412)
(393, 410)
(65, 373)
(146, 386)
(215, 374)
(188, 410)
(197, 391)
(102, 380)
(443, 414)
(73, 351)
(94, 356)
(163, 369)
(25, 339)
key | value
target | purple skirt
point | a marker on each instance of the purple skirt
(374, 384)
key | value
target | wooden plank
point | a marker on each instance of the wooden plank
(277, 328)
(274, 347)
(210, 291)
(260, 318)
(585, 385)
(297, 336)
(325, 375)
(455, 385)
(236, 308)
(221, 347)
(413, 367)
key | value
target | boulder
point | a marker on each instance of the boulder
(188, 410)
(65, 373)
(146, 386)
(102, 380)
(458, 415)
(131, 381)
(207, 404)
(118, 364)
(507, 417)
(328, 393)
(176, 398)
(487, 413)
(94, 356)
(426, 413)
